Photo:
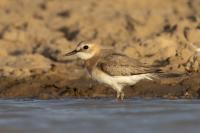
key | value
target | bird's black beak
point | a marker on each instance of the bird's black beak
(71, 53)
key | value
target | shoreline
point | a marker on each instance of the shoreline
(56, 83)
(35, 35)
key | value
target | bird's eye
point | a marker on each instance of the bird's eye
(85, 47)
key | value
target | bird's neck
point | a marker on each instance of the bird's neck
(91, 63)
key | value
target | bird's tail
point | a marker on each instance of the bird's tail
(170, 75)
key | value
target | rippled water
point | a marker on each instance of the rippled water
(99, 115)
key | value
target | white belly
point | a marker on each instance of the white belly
(131, 80)
(119, 80)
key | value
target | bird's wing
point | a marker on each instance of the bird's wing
(122, 65)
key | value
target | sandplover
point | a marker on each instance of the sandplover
(114, 69)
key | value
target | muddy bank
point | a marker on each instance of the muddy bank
(35, 35)
(57, 83)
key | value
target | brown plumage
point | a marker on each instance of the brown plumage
(116, 64)
(116, 70)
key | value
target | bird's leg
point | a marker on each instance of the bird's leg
(122, 95)
(118, 95)
(119, 91)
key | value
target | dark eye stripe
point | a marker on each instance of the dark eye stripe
(85, 47)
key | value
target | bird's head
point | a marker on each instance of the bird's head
(85, 50)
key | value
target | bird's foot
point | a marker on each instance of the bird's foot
(120, 96)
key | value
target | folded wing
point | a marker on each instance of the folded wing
(122, 65)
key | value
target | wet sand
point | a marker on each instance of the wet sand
(35, 35)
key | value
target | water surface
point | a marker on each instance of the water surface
(99, 115)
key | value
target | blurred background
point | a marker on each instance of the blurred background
(34, 35)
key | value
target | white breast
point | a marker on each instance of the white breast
(102, 77)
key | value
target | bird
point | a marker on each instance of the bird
(114, 69)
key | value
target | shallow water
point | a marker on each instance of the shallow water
(99, 115)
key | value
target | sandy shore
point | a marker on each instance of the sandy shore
(34, 35)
